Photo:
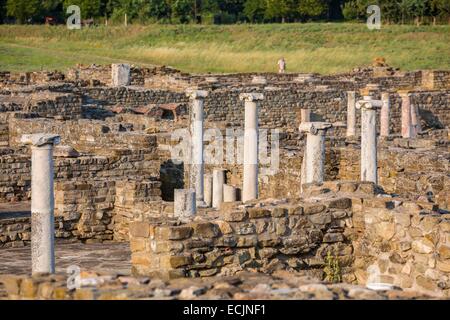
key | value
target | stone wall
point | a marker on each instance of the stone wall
(264, 237)
(402, 243)
(44, 104)
(89, 210)
(85, 135)
(400, 172)
(436, 79)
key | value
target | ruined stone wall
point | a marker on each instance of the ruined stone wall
(400, 171)
(436, 79)
(402, 243)
(84, 135)
(268, 237)
(44, 104)
(88, 210)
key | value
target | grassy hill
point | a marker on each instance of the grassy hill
(314, 47)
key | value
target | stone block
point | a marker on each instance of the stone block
(205, 230)
(255, 213)
(140, 229)
(311, 209)
(235, 216)
(173, 233)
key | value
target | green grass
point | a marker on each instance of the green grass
(314, 47)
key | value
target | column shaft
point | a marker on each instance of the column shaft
(250, 189)
(315, 157)
(385, 115)
(197, 166)
(406, 116)
(368, 145)
(351, 114)
(42, 210)
(218, 181)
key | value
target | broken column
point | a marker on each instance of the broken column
(385, 115)
(315, 150)
(406, 114)
(197, 167)
(208, 189)
(416, 128)
(218, 182)
(184, 204)
(250, 188)
(306, 115)
(120, 74)
(368, 108)
(351, 114)
(229, 193)
(42, 202)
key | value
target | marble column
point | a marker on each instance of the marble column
(197, 167)
(368, 108)
(351, 114)
(315, 150)
(208, 189)
(218, 182)
(120, 74)
(229, 193)
(184, 204)
(416, 128)
(42, 202)
(250, 188)
(385, 115)
(407, 131)
(306, 115)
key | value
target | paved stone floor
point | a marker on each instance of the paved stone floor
(111, 257)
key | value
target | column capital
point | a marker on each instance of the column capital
(404, 93)
(314, 127)
(251, 96)
(40, 139)
(196, 94)
(369, 104)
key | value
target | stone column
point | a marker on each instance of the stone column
(208, 189)
(416, 128)
(368, 138)
(42, 202)
(250, 188)
(385, 115)
(406, 114)
(120, 74)
(197, 166)
(315, 150)
(229, 193)
(184, 204)
(351, 114)
(306, 115)
(218, 182)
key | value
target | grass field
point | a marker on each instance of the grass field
(314, 47)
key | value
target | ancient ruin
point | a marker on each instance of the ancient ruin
(161, 184)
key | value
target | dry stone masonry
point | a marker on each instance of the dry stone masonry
(325, 185)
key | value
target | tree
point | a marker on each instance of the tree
(2, 11)
(88, 8)
(440, 8)
(254, 10)
(312, 8)
(23, 10)
(182, 10)
(281, 10)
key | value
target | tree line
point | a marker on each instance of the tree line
(225, 11)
